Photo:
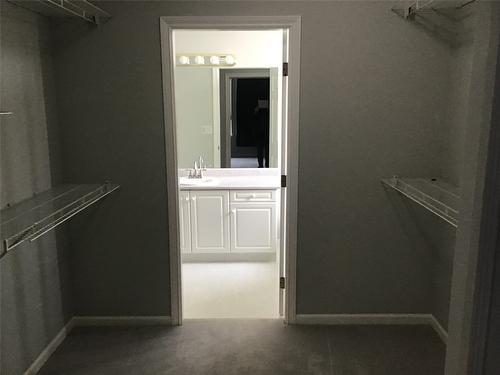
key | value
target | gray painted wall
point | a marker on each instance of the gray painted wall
(35, 296)
(372, 105)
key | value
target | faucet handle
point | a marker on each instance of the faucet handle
(203, 166)
(197, 170)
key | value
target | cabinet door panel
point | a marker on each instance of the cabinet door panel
(185, 222)
(253, 227)
(210, 221)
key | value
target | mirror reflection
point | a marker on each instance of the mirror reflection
(227, 113)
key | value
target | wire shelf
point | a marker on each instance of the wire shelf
(410, 9)
(435, 195)
(65, 8)
(444, 19)
(32, 218)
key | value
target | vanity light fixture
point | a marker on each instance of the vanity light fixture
(214, 60)
(199, 60)
(207, 60)
(183, 60)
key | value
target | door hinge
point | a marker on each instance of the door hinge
(283, 180)
(282, 283)
(285, 69)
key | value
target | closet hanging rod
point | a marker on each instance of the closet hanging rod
(409, 12)
(466, 3)
(65, 8)
(34, 217)
(65, 217)
(436, 196)
(450, 4)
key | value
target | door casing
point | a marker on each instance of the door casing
(290, 136)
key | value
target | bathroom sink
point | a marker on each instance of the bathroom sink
(205, 181)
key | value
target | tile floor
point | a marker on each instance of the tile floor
(257, 347)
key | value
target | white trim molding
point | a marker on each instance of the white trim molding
(126, 321)
(442, 333)
(292, 25)
(374, 319)
(50, 349)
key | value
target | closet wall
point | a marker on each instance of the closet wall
(35, 295)
(373, 103)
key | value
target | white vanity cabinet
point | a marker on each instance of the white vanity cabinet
(210, 221)
(185, 221)
(253, 221)
(227, 221)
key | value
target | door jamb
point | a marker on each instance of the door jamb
(293, 25)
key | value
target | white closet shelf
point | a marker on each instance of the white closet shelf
(33, 217)
(65, 8)
(410, 9)
(435, 195)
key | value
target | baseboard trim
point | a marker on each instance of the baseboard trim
(50, 349)
(103, 321)
(442, 333)
(362, 319)
(316, 319)
(368, 319)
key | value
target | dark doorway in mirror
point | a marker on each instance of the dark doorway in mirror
(250, 125)
(249, 101)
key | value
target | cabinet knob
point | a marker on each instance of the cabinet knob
(193, 198)
(187, 199)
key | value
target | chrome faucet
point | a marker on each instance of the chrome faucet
(199, 166)
(202, 165)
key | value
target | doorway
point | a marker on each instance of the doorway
(286, 169)
(249, 124)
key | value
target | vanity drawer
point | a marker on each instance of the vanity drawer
(253, 195)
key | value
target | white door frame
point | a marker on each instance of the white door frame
(293, 25)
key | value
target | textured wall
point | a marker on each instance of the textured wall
(372, 105)
(35, 296)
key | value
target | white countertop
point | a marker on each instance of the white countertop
(231, 183)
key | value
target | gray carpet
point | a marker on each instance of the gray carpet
(249, 347)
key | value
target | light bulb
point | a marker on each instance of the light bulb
(229, 60)
(200, 60)
(183, 60)
(214, 60)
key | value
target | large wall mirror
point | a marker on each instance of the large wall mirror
(229, 114)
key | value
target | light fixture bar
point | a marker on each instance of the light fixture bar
(208, 60)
